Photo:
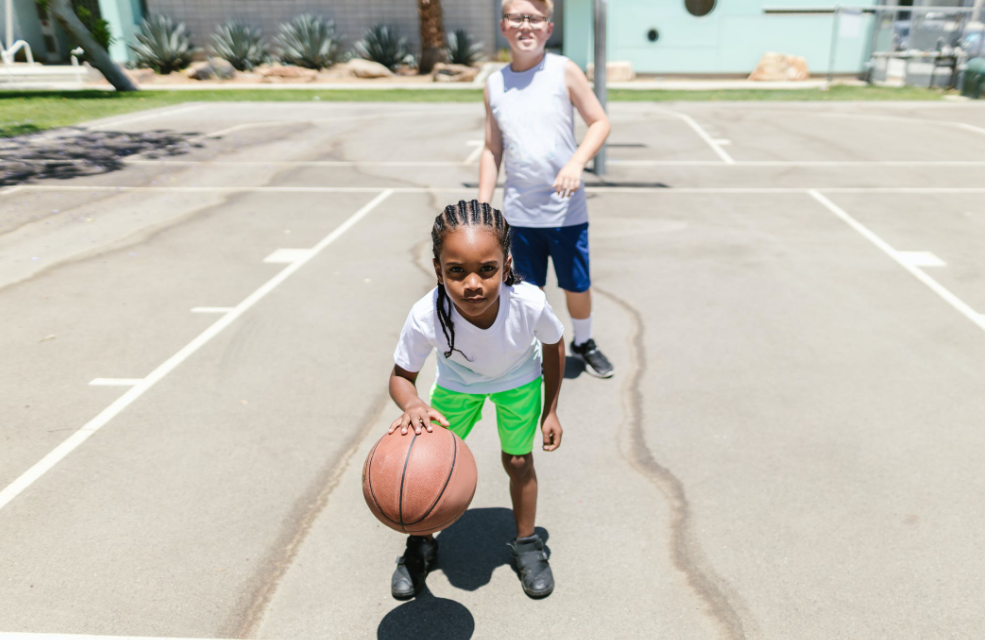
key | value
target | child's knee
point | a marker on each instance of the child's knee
(518, 466)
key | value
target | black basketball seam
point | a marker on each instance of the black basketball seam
(403, 476)
(369, 479)
(454, 456)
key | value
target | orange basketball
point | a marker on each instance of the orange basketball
(419, 484)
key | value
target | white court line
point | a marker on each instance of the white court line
(303, 163)
(936, 287)
(212, 309)
(75, 636)
(704, 136)
(480, 146)
(72, 442)
(115, 382)
(148, 116)
(11, 190)
(920, 259)
(971, 127)
(802, 163)
(590, 189)
(287, 256)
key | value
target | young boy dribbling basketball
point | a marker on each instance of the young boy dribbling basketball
(530, 107)
(496, 337)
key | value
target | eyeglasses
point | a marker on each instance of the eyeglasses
(516, 20)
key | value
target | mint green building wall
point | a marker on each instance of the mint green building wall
(730, 39)
(124, 18)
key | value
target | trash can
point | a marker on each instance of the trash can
(974, 79)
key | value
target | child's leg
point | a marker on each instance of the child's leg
(523, 491)
(517, 416)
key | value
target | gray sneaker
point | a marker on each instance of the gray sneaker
(595, 361)
(530, 559)
(412, 567)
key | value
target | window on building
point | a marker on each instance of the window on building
(699, 7)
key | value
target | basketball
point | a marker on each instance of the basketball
(419, 484)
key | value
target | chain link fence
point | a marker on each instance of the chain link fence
(925, 46)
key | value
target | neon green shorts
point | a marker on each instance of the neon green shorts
(517, 414)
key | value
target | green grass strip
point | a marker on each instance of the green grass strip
(24, 112)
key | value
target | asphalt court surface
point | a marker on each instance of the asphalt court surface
(791, 294)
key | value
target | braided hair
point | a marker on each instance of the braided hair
(469, 214)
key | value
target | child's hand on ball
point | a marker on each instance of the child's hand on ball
(568, 180)
(417, 416)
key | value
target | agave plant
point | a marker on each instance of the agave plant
(461, 49)
(381, 44)
(162, 45)
(309, 41)
(240, 45)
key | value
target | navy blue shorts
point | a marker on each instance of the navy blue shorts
(567, 248)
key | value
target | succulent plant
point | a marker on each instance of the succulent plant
(462, 50)
(381, 44)
(162, 45)
(240, 45)
(309, 41)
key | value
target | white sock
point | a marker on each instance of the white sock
(583, 330)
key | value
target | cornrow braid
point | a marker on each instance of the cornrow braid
(469, 214)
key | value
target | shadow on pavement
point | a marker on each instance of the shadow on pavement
(81, 152)
(472, 548)
(427, 617)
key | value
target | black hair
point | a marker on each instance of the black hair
(469, 214)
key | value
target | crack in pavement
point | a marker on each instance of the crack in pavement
(685, 550)
(309, 506)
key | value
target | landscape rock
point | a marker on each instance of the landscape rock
(367, 69)
(214, 68)
(777, 66)
(286, 73)
(615, 71)
(443, 72)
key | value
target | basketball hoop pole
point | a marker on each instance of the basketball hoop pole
(601, 9)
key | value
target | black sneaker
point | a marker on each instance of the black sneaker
(412, 567)
(595, 361)
(530, 559)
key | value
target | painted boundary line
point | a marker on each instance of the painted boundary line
(590, 189)
(717, 148)
(916, 272)
(6, 635)
(61, 451)
(156, 113)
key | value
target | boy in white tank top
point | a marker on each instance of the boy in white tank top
(530, 108)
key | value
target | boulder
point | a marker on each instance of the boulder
(199, 71)
(777, 66)
(367, 69)
(214, 68)
(222, 68)
(443, 72)
(616, 71)
(286, 73)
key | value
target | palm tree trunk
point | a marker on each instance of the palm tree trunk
(432, 34)
(65, 15)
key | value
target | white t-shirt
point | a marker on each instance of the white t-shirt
(503, 357)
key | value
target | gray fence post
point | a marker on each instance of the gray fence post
(601, 9)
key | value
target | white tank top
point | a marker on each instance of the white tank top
(536, 117)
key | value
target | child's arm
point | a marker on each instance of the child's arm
(583, 98)
(416, 412)
(492, 155)
(553, 374)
